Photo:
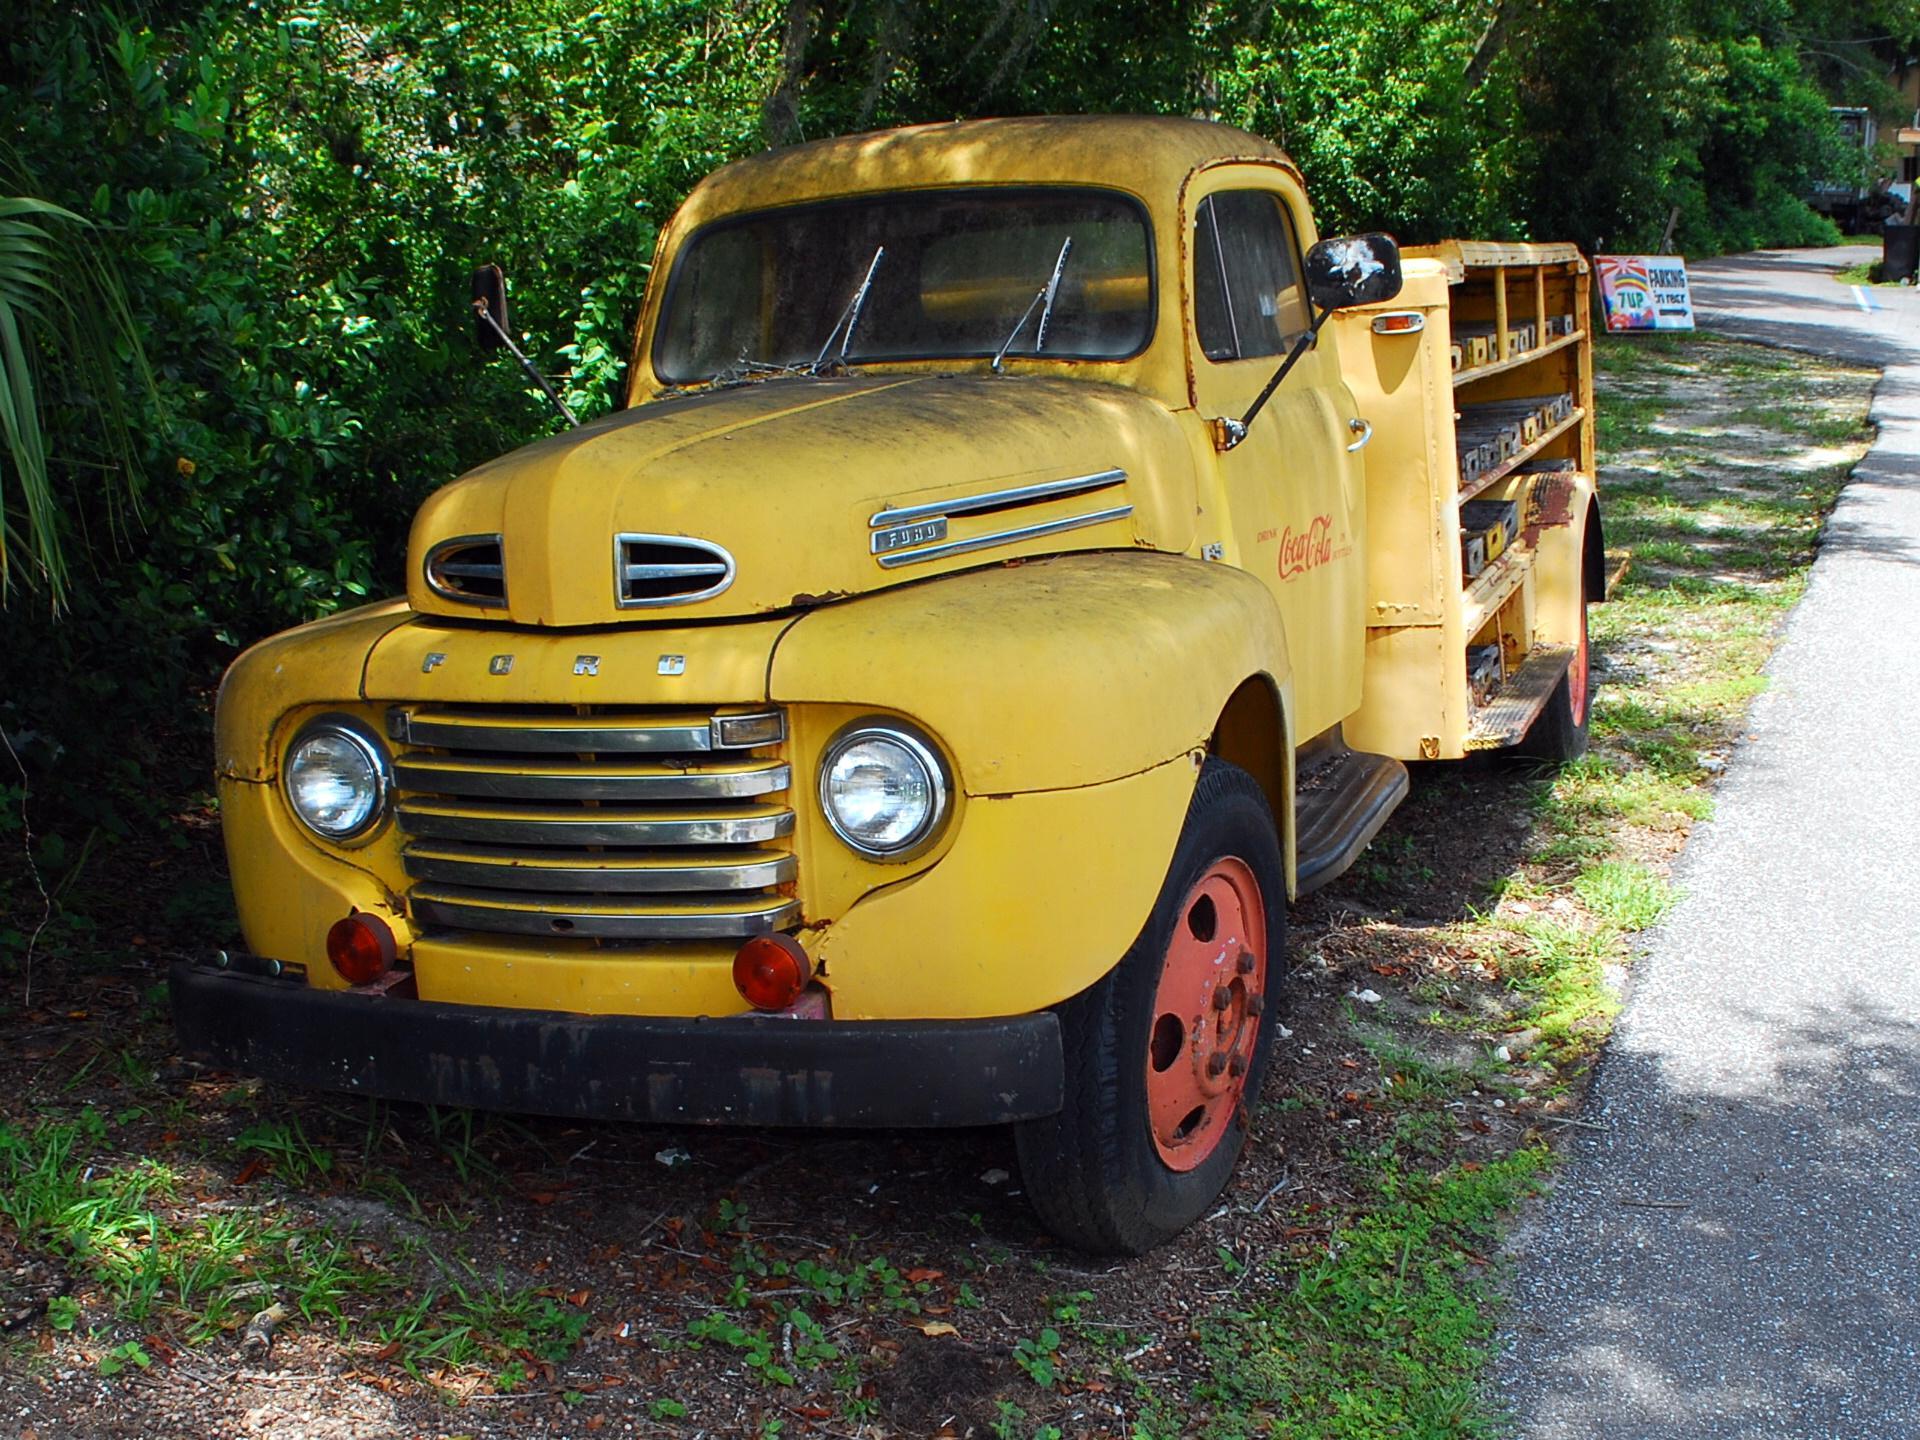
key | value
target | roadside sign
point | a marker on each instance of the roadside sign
(1645, 292)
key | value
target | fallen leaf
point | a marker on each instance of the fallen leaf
(933, 1329)
(387, 1351)
(919, 1275)
(579, 1298)
(251, 1171)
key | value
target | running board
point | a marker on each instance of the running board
(1505, 719)
(1341, 799)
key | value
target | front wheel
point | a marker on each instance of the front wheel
(1166, 1052)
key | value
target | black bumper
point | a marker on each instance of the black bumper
(731, 1071)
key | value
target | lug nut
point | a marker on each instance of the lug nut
(1216, 1067)
(1255, 1004)
(1238, 1065)
(1222, 998)
(1245, 962)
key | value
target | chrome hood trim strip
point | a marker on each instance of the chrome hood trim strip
(897, 558)
(993, 499)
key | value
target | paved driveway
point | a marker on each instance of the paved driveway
(1737, 1251)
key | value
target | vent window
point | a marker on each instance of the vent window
(468, 570)
(668, 570)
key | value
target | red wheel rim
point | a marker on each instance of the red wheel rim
(1206, 1014)
(1577, 673)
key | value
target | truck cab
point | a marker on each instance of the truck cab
(918, 705)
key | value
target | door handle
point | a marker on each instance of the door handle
(1362, 428)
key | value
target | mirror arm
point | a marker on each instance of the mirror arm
(1229, 433)
(480, 309)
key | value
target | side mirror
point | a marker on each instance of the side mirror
(1353, 270)
(490, 305)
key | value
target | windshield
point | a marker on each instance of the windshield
(959, 269)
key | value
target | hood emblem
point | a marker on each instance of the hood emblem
(500, 665)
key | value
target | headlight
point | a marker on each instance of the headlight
(337, 779)
(883, 789)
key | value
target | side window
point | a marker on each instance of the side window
(1247, 299)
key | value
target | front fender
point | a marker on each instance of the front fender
(1075, 698)
(1050, 674)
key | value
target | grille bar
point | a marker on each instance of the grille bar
(661, 732)
(526, 825)
(627, 782)
(530, 914)
(651, 872)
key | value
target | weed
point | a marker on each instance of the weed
(284, 1144)
(113, 1361)
(1039, 1358)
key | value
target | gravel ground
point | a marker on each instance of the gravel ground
(1730, 1252)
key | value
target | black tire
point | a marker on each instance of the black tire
(1096, 1172)
(1559, 732)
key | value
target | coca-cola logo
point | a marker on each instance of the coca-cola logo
(1300, 552)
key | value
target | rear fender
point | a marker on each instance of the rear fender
(1566, 536)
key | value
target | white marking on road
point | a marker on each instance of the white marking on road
(1864, 300)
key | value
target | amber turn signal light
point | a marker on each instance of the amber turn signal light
(1399, 322)
(770, 971)
(361, 948)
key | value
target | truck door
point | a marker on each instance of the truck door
(1294, 492)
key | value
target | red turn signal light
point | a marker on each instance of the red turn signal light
(771, 971)
(361, 948)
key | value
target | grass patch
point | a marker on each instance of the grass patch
(1624, 893)
(1384, 1334)
(154, 1261)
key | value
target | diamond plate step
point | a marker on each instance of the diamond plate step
(1505, 719)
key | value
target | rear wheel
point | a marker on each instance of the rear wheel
(1165, 1054)
(1559, 732)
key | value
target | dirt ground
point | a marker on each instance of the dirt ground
(502, 1277)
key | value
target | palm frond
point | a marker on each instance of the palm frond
(63, 317)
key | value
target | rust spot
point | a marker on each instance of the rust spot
(1549, 506)
(825, 597)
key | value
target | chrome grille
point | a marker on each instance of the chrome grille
(611, 825)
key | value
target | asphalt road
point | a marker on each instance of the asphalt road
(1736, 1253)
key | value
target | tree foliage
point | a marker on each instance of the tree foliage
(291, 193)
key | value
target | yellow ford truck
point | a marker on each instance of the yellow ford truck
(1027, 557)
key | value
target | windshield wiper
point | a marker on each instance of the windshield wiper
(850, 316)
(1044, 298)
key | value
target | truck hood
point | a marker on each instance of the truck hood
(777, 495)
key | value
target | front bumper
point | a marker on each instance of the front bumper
(743, 1070)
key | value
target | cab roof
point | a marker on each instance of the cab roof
(1148, 155)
